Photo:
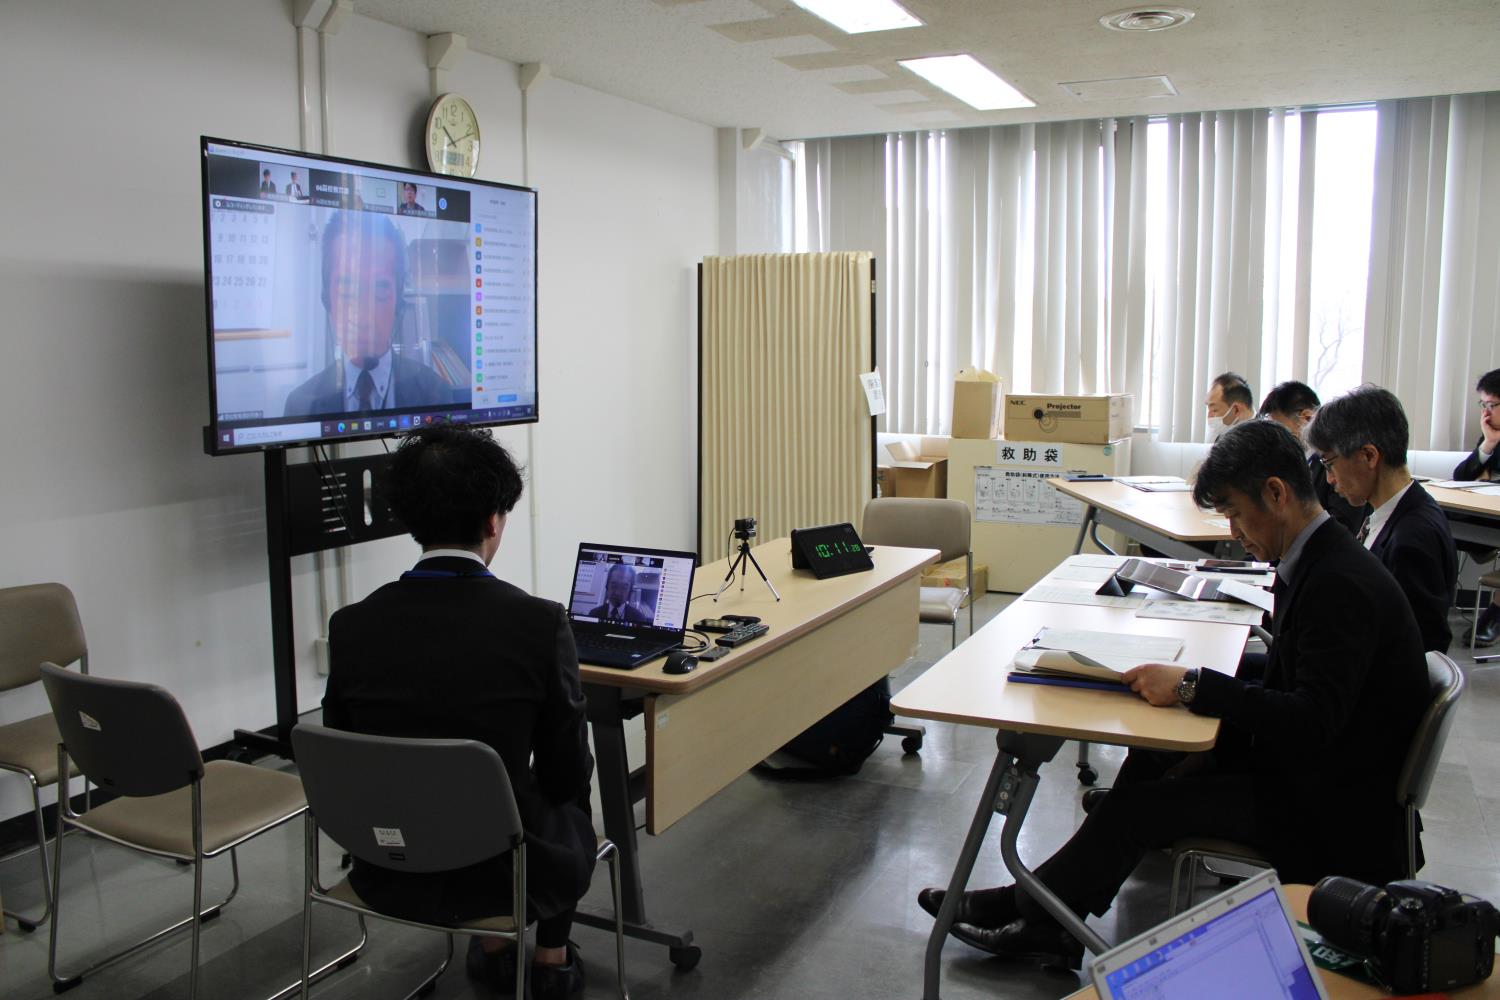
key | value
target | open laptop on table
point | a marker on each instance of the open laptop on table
(1241, 944)
(628, 605)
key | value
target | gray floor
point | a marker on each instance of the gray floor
(802, 890)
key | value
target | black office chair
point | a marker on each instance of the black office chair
(419, 805)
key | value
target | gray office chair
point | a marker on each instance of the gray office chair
(133, 740)
(419, 806)
(919, 523)
(1445, 684)
(38, 623)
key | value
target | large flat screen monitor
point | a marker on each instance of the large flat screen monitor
(348, 300)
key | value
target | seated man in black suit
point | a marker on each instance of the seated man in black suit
(1292, 405)
(1361, 443)
(364, 279)
(1345, 680)
(1484, 463)
(617, 606)
(449, 651)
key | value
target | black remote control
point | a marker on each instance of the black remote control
(744, 633)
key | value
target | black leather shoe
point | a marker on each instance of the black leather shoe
(1487, 629)
(1025, 940)
(496, 971)
(979, 907)
(1093, 797)
(556, 982)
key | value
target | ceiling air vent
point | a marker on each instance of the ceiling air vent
(1147, 19)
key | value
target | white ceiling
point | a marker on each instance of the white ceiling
(768, 64)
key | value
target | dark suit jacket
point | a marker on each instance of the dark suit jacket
(415, 385)
(1338, 508)
(1471, 467)
(472, 657)
(1417, 547)
(632, 613)
(1325, 734)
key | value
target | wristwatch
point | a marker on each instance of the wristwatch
(1187, 688)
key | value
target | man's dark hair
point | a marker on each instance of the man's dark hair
(1289, 399)
(1234, 389)
(445, 482)
(1246, 456)
(366, 227)
(1367, 415)
(1489, 383)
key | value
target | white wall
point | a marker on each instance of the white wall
(103, 389)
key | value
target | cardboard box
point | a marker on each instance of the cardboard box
(1075, 419)
(915, 475)
(953, 574)
(976, 404)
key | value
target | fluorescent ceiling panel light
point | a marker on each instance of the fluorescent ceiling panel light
(859, 16)
(969, 80)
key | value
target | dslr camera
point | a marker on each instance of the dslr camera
(1415, 936)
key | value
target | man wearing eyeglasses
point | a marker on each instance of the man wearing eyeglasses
(1361, 440)
(1483, 463)
(364, 278)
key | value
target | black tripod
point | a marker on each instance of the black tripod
(739, 565)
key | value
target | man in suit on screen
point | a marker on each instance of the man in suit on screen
(364, 279)
(617, 606)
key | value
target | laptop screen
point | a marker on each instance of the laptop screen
(1249, 951)
(628, 586)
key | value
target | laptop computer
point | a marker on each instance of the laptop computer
(1243, 943)
(628, 605)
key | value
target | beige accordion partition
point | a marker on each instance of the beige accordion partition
(785, 433)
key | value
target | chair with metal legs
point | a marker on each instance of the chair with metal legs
(38, 623)
(916, 522)
(422, 806)
(133, 740)
(1445, 684)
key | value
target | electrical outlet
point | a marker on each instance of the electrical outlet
(320, 656)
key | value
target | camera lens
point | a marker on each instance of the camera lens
(1346, 912)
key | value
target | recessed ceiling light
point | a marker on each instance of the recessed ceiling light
(969, 80)
(859, 16)
(1147, 18)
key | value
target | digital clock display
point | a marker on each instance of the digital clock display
(830, 550)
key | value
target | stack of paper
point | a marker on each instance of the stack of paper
(1078, 653)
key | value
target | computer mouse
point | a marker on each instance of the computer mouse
(680, 662)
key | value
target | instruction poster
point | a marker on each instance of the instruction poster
(1015, 489)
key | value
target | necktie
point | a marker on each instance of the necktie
(1364, 530)
(364, 387)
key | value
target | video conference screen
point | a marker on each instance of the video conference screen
(631, 587)
(348, 300)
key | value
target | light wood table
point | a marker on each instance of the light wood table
(1341, 987)
(1472, 517)
(829, 640)
(1168, 522)
(969, 686)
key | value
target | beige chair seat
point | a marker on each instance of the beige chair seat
(32, 744)
(238, 800)
(941, 604)
(1229, 850)
(344, 893)
(1491, 580)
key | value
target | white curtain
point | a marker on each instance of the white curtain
(1432, 313)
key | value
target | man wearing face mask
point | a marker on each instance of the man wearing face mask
(1484, 463)
(1229, 402)
(1292, 405)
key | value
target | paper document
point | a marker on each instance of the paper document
(1163, 487)
(1249, 594)
(1042, 593)
(874, 392)
(1104, 646)
(1202, 611)
(1058, 663)
(1138, 480)
(1458, 484)
(1218, 522)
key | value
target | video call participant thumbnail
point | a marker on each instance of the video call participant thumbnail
(364, 275)
(617, 606)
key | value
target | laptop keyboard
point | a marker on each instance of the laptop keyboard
(604, 642)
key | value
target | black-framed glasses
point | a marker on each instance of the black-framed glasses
(1487, 405)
